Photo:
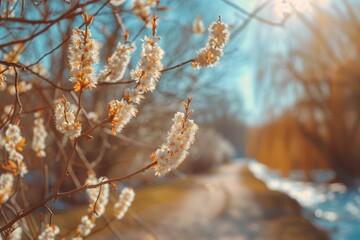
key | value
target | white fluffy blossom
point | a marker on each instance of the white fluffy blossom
(211, 53)
(16, 164)
(142, 8)
(39, 136)
(83, 54)
(133, 95)
(219, 34)
(120, 112)
(207, 57)
(100, 199)
(125, 200)
(146, 75)
(13, 137)
(22, 87)
(65, 119)
(6, 186)
(180, 137)
(147, 72)
(14, 146)
(85, 227)
(49, 233)
(96, 208)
(117, 63)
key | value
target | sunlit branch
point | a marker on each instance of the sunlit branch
(57, 195)
(115, 83)
(63, 16)
(177, 66)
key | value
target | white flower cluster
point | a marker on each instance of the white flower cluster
(100, 199)
(22, 87)
(94, 211)
(117, 63)
(14, 146)
(124, 202)
(6, 186)
(133, 95)
(83, 54)
(180, 137)
(147, 72)
(65, 119)
(85, 227)
(39, 136)
(142, 8)
(211, 53)
(121, 112)
(49, 232)
(7, 179)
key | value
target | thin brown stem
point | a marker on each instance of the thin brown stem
(79, 103)
(17, 90)
(115, 83)
(177, 66)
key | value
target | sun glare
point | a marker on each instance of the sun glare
(286, 7)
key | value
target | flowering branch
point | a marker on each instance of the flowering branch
(72, 116)
(57, 195)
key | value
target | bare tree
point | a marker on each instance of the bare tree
(53, 92)
(319, 73)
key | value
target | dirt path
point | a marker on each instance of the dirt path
(227, 204)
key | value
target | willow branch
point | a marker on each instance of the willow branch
(177, 66)
(56, 195)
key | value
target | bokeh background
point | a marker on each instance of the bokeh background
(283, 103)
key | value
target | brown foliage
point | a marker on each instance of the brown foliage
(281, 145)
(321, 73)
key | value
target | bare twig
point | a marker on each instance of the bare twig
(177, 66)
(17, 91)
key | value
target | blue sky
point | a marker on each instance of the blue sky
(269, 41)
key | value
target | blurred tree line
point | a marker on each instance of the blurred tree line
(320, 72)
